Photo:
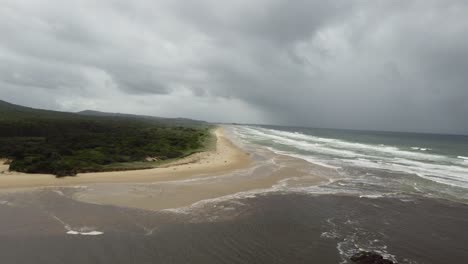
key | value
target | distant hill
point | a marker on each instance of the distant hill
(9, 111)
(173, 121)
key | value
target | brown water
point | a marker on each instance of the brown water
(262, 228)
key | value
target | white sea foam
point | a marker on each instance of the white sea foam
(371, 196)
(90, 233)
(59, 192)
(303, 157)
(84, 231)
(336, 147)
(419, 148)
(444, 174)
(227, 198)
(331, 234)
(351, 245)
(332, 153)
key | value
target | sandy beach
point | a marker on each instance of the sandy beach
(226, 157)
(226, 170)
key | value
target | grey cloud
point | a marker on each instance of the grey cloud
(275, 22)
(138, 79)
(387, 65)
(32, 73)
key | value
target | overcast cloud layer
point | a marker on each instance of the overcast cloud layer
(385, 65)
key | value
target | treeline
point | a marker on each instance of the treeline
(69, 144)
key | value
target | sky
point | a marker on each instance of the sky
(397, 65)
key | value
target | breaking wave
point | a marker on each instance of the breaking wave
(336, 153)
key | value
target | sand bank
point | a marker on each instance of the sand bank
(226, 157)
(181, 193)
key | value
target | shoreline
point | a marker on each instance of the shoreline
(224, 158)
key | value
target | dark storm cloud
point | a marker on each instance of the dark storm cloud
(388, 65)
(274, 22)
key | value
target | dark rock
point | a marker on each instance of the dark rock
(364, 257)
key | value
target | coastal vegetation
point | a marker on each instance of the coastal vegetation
(60, 143)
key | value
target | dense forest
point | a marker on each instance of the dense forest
(60, 143)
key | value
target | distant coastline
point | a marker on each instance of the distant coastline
(224, 157)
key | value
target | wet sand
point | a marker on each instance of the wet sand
(174, 194)
(227, 157)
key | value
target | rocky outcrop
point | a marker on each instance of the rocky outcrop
(364, 257)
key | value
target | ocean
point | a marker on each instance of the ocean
(375, 163)
(312, 196)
